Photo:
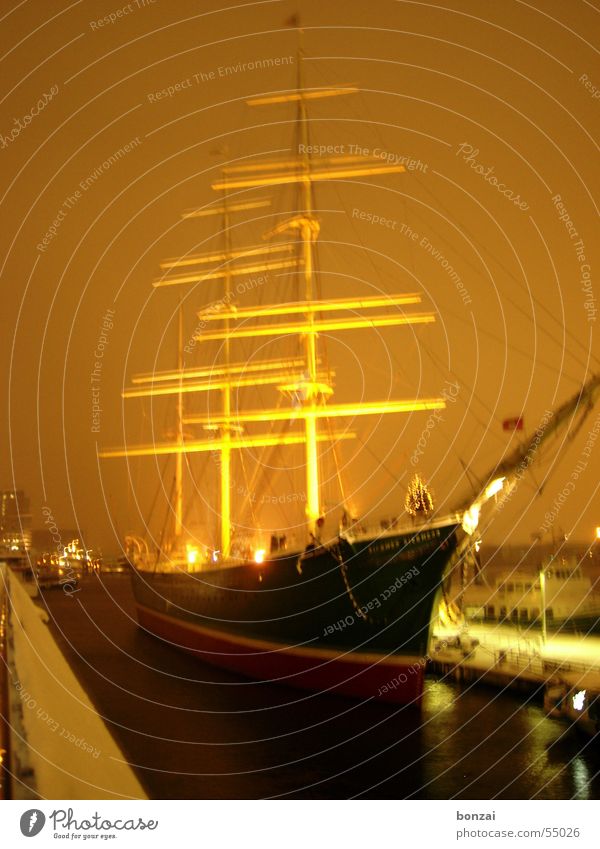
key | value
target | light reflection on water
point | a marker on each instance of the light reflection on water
(215, 735)
(483, 743)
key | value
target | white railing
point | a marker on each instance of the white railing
(60, 747)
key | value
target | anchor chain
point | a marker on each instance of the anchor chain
(336, 551)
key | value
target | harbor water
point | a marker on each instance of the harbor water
(193, 731)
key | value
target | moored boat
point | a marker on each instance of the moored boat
(575, 698)
(349, 612)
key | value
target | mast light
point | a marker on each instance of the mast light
(494, 487)
(471, 519)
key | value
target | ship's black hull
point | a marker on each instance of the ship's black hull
(353, 619)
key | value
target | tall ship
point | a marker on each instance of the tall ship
(347, 613)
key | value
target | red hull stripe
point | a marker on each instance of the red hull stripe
(392, 678)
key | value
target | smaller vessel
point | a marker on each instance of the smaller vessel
(575, 698)
(65, 569)
(558, 591)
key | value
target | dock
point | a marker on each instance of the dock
(504, 657)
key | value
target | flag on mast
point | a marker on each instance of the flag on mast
(516, 423)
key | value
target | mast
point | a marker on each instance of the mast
(226, 427)
(303, 378)
(179, 455)
(309, 229)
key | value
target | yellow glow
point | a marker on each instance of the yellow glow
(259, 555)
(235, 271)
(230, 207)
(327, 325)
(598, 533)
(310, 307)
(302, 222)
(295, 96)
(198, 259)
(215, 371)
(368, 408)
(470, 519)
(300, 176)
(198, 446)
(313, 507)
(274, 164)
(192, 554)
(494, 487)
(205, 385)
(308, 388)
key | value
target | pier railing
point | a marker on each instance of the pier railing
(5, 783)
(509, 665)
(59, 746)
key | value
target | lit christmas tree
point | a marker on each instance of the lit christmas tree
(418, 498)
